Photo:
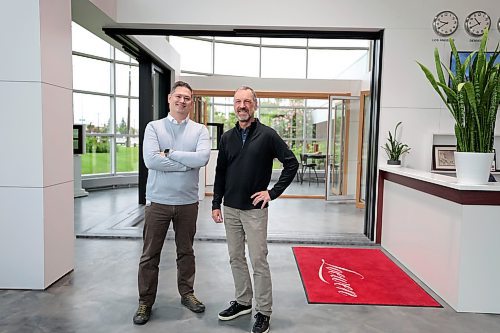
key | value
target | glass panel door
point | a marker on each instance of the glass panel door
(338, 171)
(363, 134)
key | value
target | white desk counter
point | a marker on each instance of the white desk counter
(445, 233)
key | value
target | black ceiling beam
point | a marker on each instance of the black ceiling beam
(128, 44)
(320, 34)
(270, 33)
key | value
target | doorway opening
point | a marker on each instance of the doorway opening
(331, 164)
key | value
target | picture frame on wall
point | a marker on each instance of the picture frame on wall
(443, 158)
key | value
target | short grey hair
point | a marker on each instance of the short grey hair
(254, 95)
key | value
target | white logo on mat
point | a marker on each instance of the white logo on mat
(337, 275)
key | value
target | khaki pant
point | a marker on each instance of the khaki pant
(156, 223)
(252, 224)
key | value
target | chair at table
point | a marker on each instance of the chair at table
(305, 166)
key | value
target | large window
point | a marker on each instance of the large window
(288, 58)
(283, 63)
(302, 123)
(106, 101)
(241, 60)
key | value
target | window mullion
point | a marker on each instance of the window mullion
(112, 121)
(213, 55)
(260, 58)
(307, 58)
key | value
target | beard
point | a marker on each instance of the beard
(243, 115)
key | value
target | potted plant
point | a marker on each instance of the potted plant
(472, 97)
(394, 148)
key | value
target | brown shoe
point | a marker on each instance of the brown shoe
(142, 314)
(192, 303)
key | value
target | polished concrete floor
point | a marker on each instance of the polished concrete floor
(115, 213)
(100, 295)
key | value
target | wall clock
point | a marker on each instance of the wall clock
(476, 23)
(445, 23)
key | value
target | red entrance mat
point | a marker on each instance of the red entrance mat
(356, 276)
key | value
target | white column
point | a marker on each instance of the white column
(36, 156)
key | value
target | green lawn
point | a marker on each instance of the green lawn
(127, 160)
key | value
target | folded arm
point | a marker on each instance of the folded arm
(194, 159)
(152, 157)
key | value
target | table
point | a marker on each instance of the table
(317, 159)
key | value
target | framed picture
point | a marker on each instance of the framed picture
(443, 158)
(463, 55)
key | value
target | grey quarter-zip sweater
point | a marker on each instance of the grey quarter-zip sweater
(173, 180)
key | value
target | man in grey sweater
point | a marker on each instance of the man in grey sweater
(174, 150)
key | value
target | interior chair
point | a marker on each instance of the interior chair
(307, 167)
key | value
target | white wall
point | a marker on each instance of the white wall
(36, 173)
(107, 6)
(408, 36)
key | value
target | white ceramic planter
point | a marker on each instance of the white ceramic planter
(473, 168)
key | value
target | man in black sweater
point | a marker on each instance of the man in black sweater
(243, 172)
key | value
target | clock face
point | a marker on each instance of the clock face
(445, 23)
(476, 23)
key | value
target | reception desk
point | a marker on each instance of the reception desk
(445, 233)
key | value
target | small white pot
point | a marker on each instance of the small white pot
(473, 168)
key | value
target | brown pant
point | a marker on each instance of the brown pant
(156, 223)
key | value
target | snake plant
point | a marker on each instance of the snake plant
(393, 147)
(472, 99)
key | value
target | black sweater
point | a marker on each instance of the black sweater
(243, 170)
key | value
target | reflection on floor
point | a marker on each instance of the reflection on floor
(307, 187)
(115, 213)
(100, 296)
